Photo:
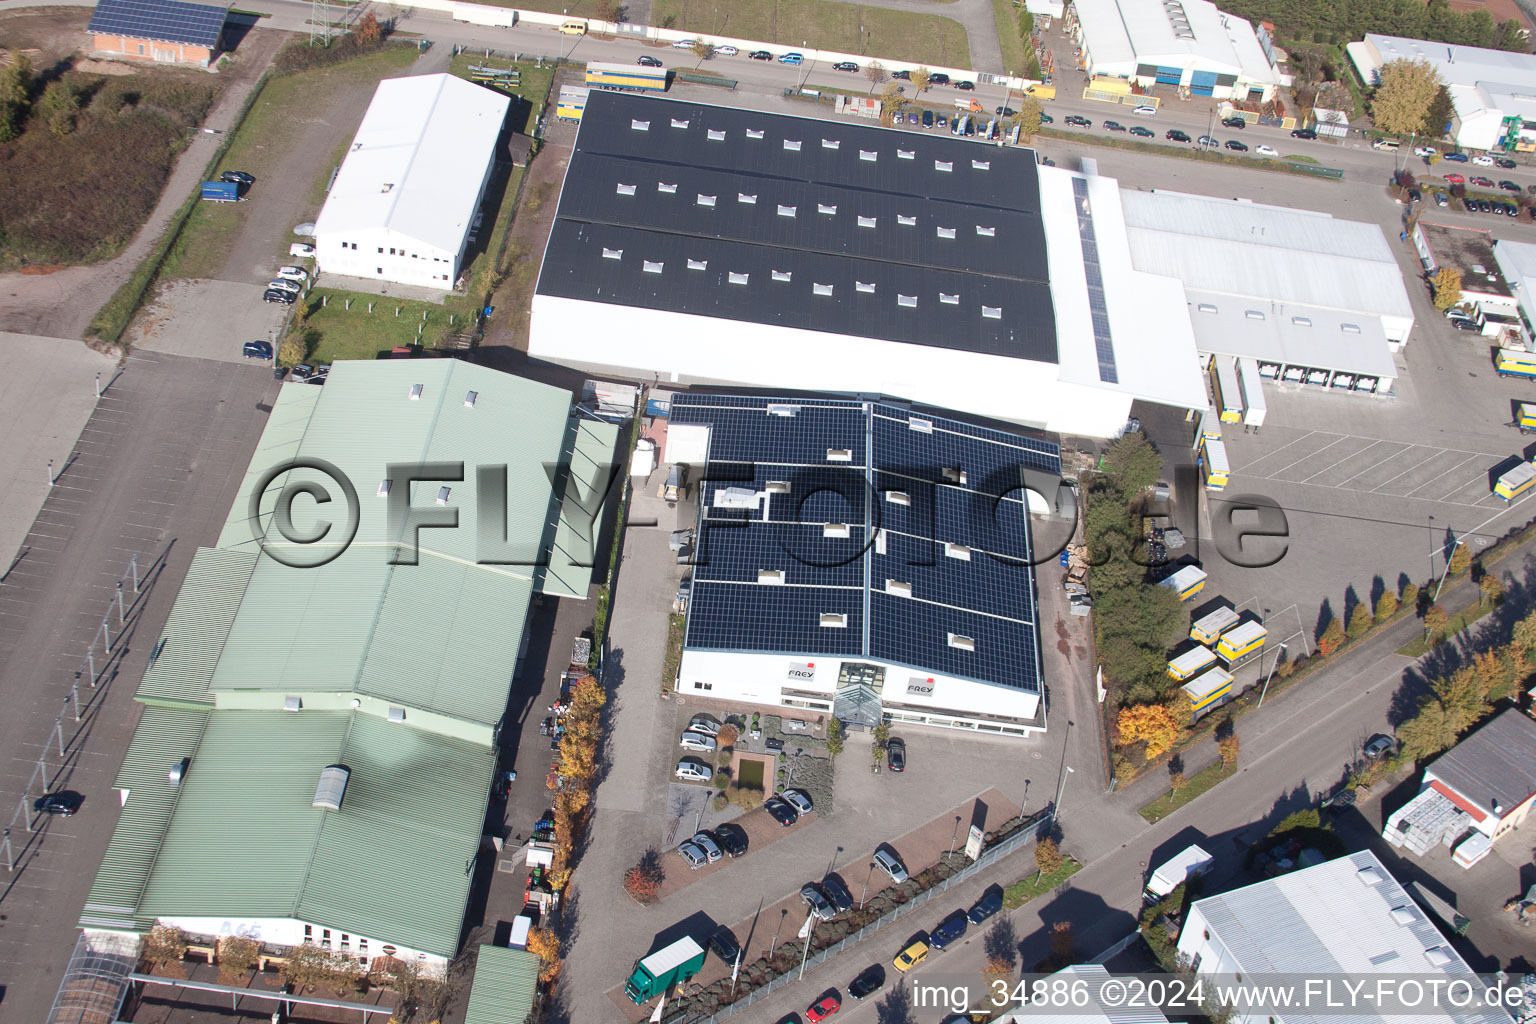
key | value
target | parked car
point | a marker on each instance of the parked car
(725, 946)
(1174, 135)
(845, 65)
(1141, 131)
(292, 273)
(732, 838)
(965, 85)
(1378, 746)
(791, 58)
(1414, 195)
(1509, 186)
(709, 725)
(990, 903)
(1504, 162)
(896, 754)
(1266, 151)
(693, 770)
(837, 893)
(1145, 110)
(697, 741)
(727, 51)
(1483, 161)
(760, 55)
(257, 350)
(823, 1008)
(685, 44)
(1455, 179)
(1441, 200)
(1303, 133)
(799, 799)
(941, 121)
(938, 78)
(927, 119)
(1113, 126)
(1046, 118)
(287, 298)
(692, 855)
(1236, 146)
(1455, 158)
(949, 930)
(302, 249)
(889, 861)
(780, 811)
(706, 842)
(1482, 182)
(1208, 141)
(1466, 325)
(910, 957)
(869, 981)
(1233, 122)
(904, 76)
(282, 284)
(1424, 150)
(812, 896)
(1079, 121)
(64, 803)
(645, 60)
(912, 117)
(242, 178)
(1511, 210)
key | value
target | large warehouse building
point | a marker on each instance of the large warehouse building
(1493, 92)
(858, 559)
(1190, 45)
(318, 742)
(404, 203)
(706, 244)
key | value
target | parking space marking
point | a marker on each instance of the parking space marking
(1283, 447)
(1407, 447)
(1341, 462)
(1422, 464)
(1304, 458)
(1463, 462)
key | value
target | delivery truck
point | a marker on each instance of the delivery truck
(1250, 381)
(1187, 582)
(626, 77)
(1241, 643)
(1514, 363)
(1208, 628)
(1213, 462)
(657, 972)
(1186, 866)
(1516, 482)
(1227, 392)
(1191, 663)
(1525, 418)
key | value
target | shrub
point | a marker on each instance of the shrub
(1229, 747)
(727, 737)
(1461, 560)
(722, 779)
(1386, 606)
(1360, 621)
(643, 881)
(746, 797)
(720, 802)
(1409, 598)
(1332, 638)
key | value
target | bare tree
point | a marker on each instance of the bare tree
(876, 73)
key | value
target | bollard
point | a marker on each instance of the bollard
(348, 304)
(325, 300)
(450, 319)
(98, 384)
(397, 311)
(423, 316)
(120, 616)
(370, 307)
(50, 473)
(133, 567)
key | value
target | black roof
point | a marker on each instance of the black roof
(914, 492)
(165, 20)
(821, 225)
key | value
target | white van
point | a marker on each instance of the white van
(1385, 144)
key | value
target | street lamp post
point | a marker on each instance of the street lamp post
(1431, 547)
(1459, 542)
(865, 894)
(775, 947)
(1271, 675)
(1060, 789)
(810, 929)
(954, 835)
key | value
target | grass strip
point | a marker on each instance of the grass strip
(1195, 785)
(1026, 889)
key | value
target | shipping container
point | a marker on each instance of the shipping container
(1191, 663)
(1208, 628)
(1209, 690)
(1516, 482)
(1251, 382)
(1241, 641)
(1226, 390)
(1187, 582)
(573, 100)
(1514, 363)
(1213, 460)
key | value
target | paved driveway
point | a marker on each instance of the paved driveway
(206, 319)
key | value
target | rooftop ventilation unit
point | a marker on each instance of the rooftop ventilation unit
(735, 278)
(698, 264)
(780, 409)
(949, 300)
(868, 287)
(826, 208)
(954, 475)
(384, 486)
(416, 390)
(963, 643)
(905, 221)
(1302, 321)
(898, 497)
(1206, 307)
(735, 497)
(830, 143)
(704, 200)
(960, 551)
(1350, 328)
(981, 165)
(910, 301)
(834, 620)
(332, 788)
(293, 704)
(774, 577)
(396, 714)
(667, 187)
(821, 289)
(716, 136)
(625, 190)
(793, 145)
(470, 398)
(678, 122)
(754, 133)
(906, 154)
(613, 254)
(389, 186)
(1368, 876)
(777, 486)
(985, 232)
(898, 588)
(652, 267)
(442, 495)
(868, 154)
(866, 222)
(640, 126)
(944, 165)
(786, 211)
(742, 197)
(1437, 956)
(1403, 915)
(992, 312)
(178, 771)
(782, 275)
(839, 454)
(839, 530)
(945, 232)
(921, 426)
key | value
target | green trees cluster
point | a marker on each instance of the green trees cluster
(1135, 623)
(1328, 21)
(15, 91)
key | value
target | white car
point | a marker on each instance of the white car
(685, 44)
(302, 249)
(1424, 151)
(1483, 161)
(298, 274)
(694, 771)
(282, 284)
(1267, 151)
(727, 51)
(1145, 110)
(799, 800)
(697, 741)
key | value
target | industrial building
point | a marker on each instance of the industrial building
(320, 722)
(163, 31)
(407, 197)
(1189, 45)
(862, 560)
(1311, 298)
(1347, 916)
(1484, 287)
(1517, 264)
(706, 244)
(1493, 92)
(1474, 794)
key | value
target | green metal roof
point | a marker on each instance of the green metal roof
(505, 986)
(189, 647)
(246, 842)
(279, 442)
(595, 473)
(165, 735)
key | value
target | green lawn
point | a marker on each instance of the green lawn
(1193, 787)
(1028, 888)
(824, 24)
(1015, 56)
(1301, 159)
(338, 332)
(1458, 622)
(260, 147)
(534, 81)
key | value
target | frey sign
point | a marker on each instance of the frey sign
(920, 687)
(802, 672)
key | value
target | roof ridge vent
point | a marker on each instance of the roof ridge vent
(331, 789)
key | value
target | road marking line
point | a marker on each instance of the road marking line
(1407, 446)
(1341, 462)
(1304, 458)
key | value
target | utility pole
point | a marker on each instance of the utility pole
(1278, 655)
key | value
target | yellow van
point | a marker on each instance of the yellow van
(574, 28)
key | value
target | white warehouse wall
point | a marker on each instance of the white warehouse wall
(412, 262)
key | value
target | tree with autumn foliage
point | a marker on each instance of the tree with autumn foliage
(643, 881)
(1332, 638)
(1229, 747)
(1153, 723)
(545, 944)
(1435, 621)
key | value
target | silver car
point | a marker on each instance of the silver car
(280, 284)
(706, 724)
(693, 770)
(692, 855)
(697, 741)
(706, 842)
(799, 799)
(293, 274)
(890, 862)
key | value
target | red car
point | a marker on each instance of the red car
(1482, 182)
(1455, 179)
(823, 1009)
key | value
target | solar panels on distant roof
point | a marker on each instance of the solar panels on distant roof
(1102, 341)
(863, 530)
(164, 20)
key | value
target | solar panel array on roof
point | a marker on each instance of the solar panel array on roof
(837, 528)
(1102, 342)
(824, 226)
(165, 20)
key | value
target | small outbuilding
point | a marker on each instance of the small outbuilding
(163, 31)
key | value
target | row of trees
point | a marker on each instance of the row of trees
(1329, 21)
(55, 110)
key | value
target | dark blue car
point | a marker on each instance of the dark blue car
(258, 350)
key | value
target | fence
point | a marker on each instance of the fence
(1315, 170)
(1024, 836)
